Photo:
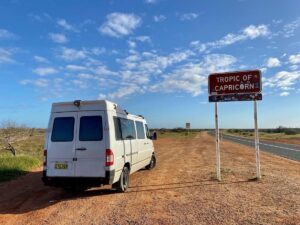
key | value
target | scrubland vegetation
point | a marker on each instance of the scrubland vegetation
(21, 149)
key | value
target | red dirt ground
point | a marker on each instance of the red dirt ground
(180, 190)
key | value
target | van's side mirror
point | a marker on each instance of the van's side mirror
(154, 136)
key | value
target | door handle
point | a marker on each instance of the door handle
(81, 149)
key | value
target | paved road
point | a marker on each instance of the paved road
(285, 150)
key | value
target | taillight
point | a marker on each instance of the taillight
(45, 159)
(109, 157)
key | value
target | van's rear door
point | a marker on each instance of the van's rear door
(61, 144)
(90, 144)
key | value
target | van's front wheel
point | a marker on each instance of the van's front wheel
(123, 183)
(152, 163)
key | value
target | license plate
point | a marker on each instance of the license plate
(61, 166)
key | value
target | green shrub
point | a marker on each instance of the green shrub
(13, 166)
(290, 131)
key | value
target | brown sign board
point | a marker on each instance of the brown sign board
(234, 82)
(235, 86)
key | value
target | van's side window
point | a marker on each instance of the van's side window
(63, 129)
(90, 128)
(140, 130)
(127, 129)
(117, 128)
(147, 132)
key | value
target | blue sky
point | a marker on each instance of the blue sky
(152, 57)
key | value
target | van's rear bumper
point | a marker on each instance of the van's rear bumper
(85, 181)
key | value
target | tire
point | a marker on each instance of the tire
(123, 183)
(152, 163)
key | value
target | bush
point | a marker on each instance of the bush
(14, 166)
(290, 131)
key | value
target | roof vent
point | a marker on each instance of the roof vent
(77, 103)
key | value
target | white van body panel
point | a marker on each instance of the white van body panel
(84, 155)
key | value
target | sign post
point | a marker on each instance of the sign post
(258, 173)
(235, 86)
(218, 161)
(188, 127)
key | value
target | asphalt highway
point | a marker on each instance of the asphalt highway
(285, 150)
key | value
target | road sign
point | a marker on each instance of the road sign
(235, 86)
(235, 97)
(187, 125)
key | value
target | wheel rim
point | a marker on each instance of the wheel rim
(152, 162)
(125, 179)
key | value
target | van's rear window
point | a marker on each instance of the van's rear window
(90, 128)
(63, 129)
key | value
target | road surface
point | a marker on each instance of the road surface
(285, 150)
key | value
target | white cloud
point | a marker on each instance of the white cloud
(64, 24)
(294, 59)
(285, 93)
(250, 32)
(41, 83)
(294, 67)
(150, 64)
(151, 1)
(70, 54)
(188, 16)
(101, 96)
(253, 32)
(81, 84)
(40, 59)
(43, 71)
(263, 70)
(103, 70)
(6, 56)
(120, 24)
(124, 91)
(273, 62)
(98, 51)
(192, 77)
(40, 17)
(86, 76)
(131, 44)
(290, 28)
(143, 38)
(58, 38)
(159, 18)
(5, 34)
(75, 67)
(284, 80)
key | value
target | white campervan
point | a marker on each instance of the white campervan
(91, 143)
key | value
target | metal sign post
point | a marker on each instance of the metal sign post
(217, 143)
(258, 174)
(188, 127)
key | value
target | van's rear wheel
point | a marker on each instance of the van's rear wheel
(123, 183)
(152, 163)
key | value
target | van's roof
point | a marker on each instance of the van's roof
(89, 106)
